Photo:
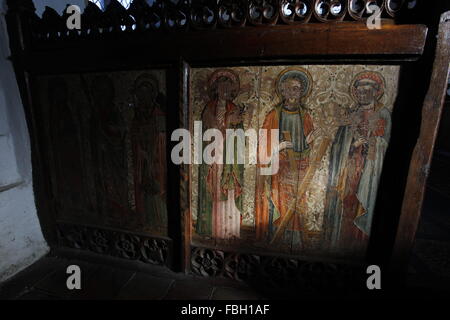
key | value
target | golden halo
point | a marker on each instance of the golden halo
(370, 75)
(298, 73)
(227, 73)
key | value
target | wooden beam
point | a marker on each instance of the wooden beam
(347, 40)
(423, 152)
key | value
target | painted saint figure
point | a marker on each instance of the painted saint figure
(277, 193)
(368, 89)
(220, 185)
(67, 151)
(355, 164)
(149, 153)
(111, 131)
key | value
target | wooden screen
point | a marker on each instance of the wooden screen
(102, 103)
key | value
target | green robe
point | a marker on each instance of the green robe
(205, 197)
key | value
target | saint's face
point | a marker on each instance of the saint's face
(224, 88)
(145, 95)
(292, 90)
(366, 92)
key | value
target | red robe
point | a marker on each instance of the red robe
(283, 185)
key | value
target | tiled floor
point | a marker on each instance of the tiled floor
(47, 278)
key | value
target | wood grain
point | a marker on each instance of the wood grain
(423, 152)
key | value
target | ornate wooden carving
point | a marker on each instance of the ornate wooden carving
(326, 11)
(393, 7)
(296, 11)
(205, 15)
(263, 12)
(356, 9)
(92, 20)
(52, 24)
(117, 19)
(276, 271)
(232, 13)
(116, 243)
(176, 16)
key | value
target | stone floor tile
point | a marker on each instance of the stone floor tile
(145, 287)
(26, 279)
(56, 282)
(192, 289)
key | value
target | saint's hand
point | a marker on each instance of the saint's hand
(360, 142)
(285, 145)
(313, 136)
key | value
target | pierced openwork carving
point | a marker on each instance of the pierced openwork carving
(361, 9)
(263, 12)
(176, 16)
(274, 271)
(146, 17)
(296, 11)
(116, 18)
(242, 267)
(330, 10)
(115, 243)
(154, 251)
(232, 13)
(207, 262)
(205, 15)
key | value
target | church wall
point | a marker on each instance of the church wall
(21, 239)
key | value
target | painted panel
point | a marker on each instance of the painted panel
(106, 134)
(333, 123)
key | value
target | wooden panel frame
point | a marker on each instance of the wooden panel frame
(423, 152)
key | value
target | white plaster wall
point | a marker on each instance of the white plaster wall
(21, 240)
(58, 5)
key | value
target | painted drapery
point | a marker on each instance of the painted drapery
(220, 201)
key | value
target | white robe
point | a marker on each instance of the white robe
(368, 185)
